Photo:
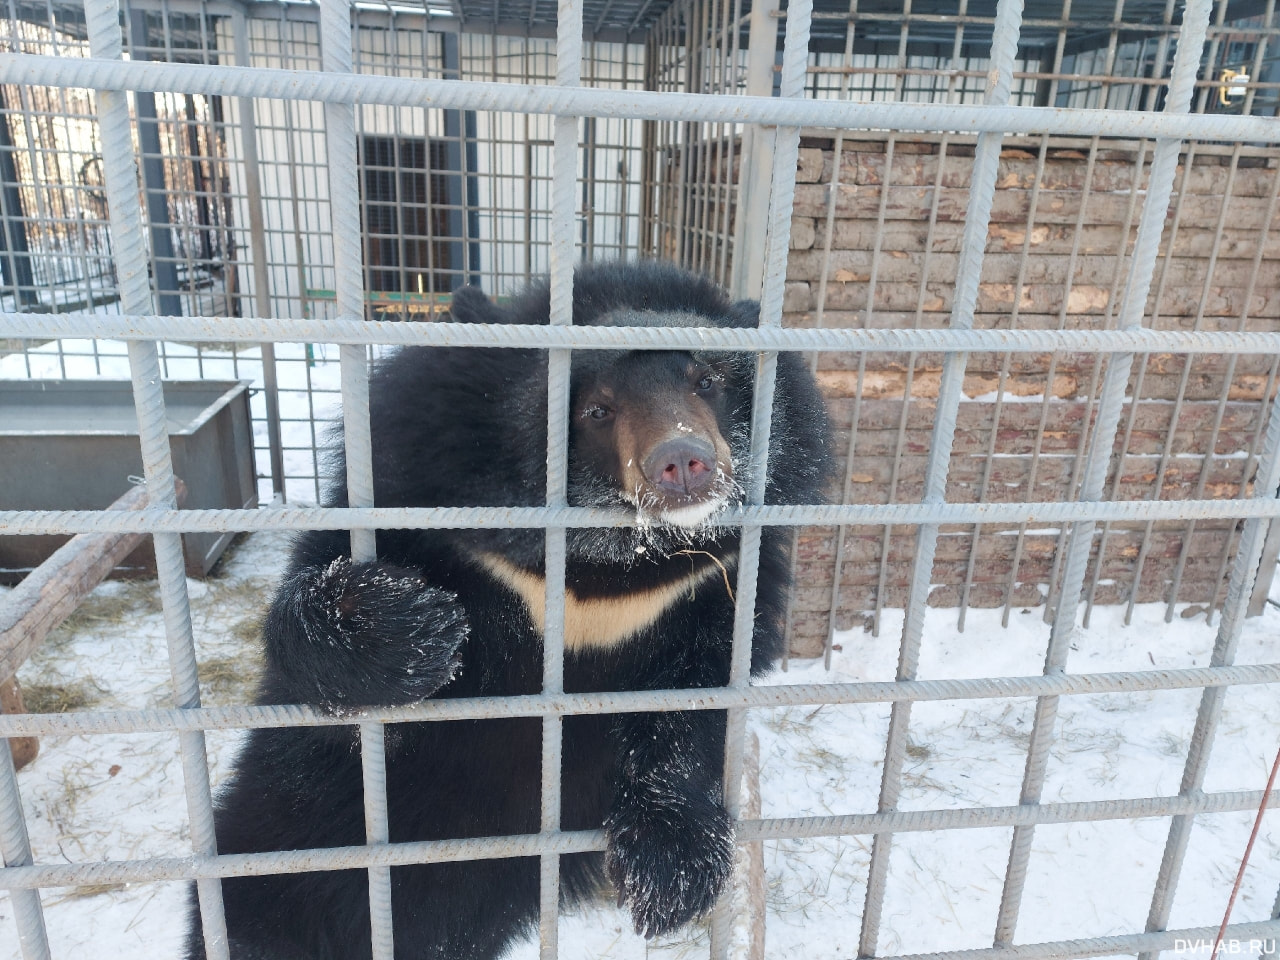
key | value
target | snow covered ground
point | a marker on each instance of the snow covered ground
(112, 797)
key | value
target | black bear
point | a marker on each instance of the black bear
(458, 613)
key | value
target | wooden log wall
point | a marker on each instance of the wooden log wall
(1062, 231)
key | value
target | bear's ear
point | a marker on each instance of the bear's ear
(470, 305)
(743, 313)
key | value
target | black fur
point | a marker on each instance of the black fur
(468, 427)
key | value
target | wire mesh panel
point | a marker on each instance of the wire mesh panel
(1028, 248)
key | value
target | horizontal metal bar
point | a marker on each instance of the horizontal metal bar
(26, 522)
(1103, 946)
(923, 821)
(300, 861)
(580, 841)
(354, 331)
(269, 83)
(566, 704)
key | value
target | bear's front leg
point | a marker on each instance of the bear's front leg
(670, 840)
(361, 634)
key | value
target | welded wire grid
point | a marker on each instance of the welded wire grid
(238, 203)
(342, 151)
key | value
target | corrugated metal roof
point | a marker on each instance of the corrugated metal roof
(1089, 25)
(932, 31)
(619, 17)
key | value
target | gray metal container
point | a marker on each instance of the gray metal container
(73, 445)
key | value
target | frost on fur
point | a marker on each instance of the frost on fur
(383, 635)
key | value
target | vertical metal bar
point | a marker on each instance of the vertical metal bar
(781, 204)
(730, 34)
(258, 249)
(1136, 395)
(682, 137)
(828, 231)
(460, 187)
(1244, 570)
(899, 86)
(15, 848)
(1004, 48)
(746, 270)
(563, 254)
(1187, 364)
(997, 410)
(1240, 586)
(163, 261)
(696, 50)
(1162, 50)
(1142, 268)
(471, 197)
(1217, 417)
(1095, 373)
(1050, 92)
(13, 233)
(344, 223)
(29, 111)
(121, 179)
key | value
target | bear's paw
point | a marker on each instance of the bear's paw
(396, 637)
(668, 857)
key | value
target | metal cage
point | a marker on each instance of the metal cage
(225, 208)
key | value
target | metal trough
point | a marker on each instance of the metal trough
(73, 445)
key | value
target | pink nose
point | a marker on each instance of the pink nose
(685, 466)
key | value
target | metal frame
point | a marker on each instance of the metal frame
(567, 100)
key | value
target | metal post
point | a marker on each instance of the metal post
(258, 250)
(1004, 49)
(563, 254)
(15, 848)
(461, 188)
(746, 272)
(163, 261)
(14, 255)
(1142, 267)
(781, 197)
(344, 221)
(120, 173)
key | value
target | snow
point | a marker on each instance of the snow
(114, 797)
(120, 796)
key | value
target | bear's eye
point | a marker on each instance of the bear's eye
(706, 382)
(597, 411)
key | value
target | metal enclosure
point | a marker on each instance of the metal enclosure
(913, 192)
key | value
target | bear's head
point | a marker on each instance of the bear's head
(656, 430)
(665, 433)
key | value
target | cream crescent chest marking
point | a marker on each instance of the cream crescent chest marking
(598, 621)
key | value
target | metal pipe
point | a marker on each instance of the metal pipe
(258, 249)
(565, 704)
(27, 878)
(120, 173)
(348, 265)
(216, 79)
(563, 254)
(15, 849)
(348, 330)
